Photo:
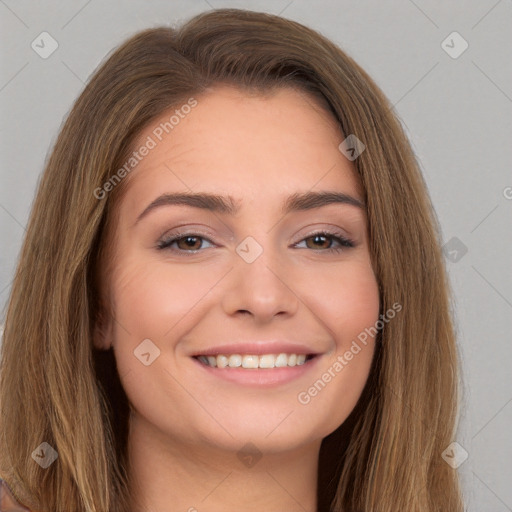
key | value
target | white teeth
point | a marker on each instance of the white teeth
(281, 360)
(222, 361)
(267, 361)
(235, 360)
(254, 361)
(250, 361)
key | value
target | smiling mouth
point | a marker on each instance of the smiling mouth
(252, 362)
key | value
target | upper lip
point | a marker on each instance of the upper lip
(258, 348)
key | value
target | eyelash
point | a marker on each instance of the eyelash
(343, 241)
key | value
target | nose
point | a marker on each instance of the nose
(261, 289)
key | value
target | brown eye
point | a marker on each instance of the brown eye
(189, 243)
(327, 242)
(319, 242)
(184, 243)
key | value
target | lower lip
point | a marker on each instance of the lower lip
(260, 377)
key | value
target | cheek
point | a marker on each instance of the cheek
(151, 301)
(158, 301)
(347, 302)
(151, 298)
(345, 298)
(356, 304)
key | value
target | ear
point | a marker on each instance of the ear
(102, 331)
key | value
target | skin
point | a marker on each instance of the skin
(187, 426)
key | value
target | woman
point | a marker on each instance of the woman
(231, 293)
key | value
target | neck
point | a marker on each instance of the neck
(169, 476)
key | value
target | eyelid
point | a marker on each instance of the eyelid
(346, 242)
(328, 230)
(166, 240)
(187, 230)
(176, 234)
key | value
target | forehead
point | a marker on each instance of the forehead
(242, 144)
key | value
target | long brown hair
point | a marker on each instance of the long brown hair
(56, 388)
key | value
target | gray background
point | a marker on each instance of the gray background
(456, 112)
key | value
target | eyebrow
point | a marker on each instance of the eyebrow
(228, 205)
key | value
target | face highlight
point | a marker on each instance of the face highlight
(243, 226)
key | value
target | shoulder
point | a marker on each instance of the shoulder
(8, 502)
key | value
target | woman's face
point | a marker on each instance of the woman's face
(268, 266)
